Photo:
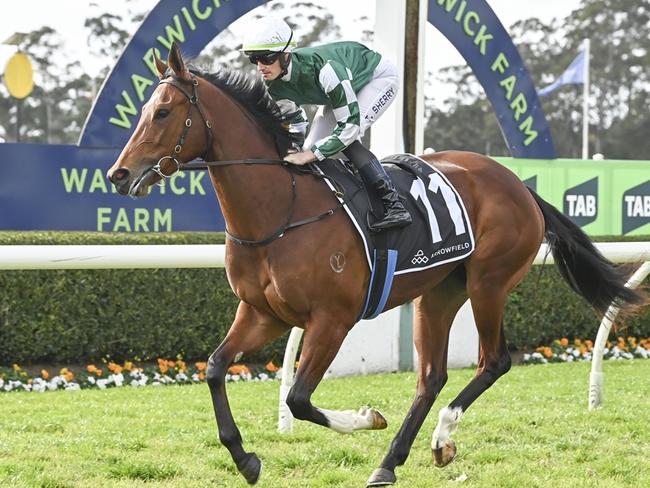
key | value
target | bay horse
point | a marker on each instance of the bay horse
(281, 270)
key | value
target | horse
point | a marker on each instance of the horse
(283, 228)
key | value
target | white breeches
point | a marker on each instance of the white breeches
(374, 99)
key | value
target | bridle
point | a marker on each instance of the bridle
(193, 98)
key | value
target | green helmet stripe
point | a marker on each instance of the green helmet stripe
(266, 47)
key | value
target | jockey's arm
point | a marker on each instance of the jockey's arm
(336, 83)
(296, 122)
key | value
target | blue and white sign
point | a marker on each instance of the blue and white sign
(51, 187)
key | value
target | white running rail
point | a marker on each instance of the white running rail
(113, 256)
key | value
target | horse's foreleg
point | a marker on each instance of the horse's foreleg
(321, 343)
(493, 363)
(250, 331)
(434, 314)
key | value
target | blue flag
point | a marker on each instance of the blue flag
(574, 74)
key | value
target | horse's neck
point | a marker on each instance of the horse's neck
(255, 199)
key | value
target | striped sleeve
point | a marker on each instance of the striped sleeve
(335, 80)
(295, 121)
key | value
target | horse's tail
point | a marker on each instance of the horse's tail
(585, 269)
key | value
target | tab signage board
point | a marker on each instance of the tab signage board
(636, 207)
(605, 198)
(580, 203)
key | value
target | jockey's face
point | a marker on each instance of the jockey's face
(270, 71)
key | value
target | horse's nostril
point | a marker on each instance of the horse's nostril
(119, 174)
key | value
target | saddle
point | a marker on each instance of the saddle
(440, 232)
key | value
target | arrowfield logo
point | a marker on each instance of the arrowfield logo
(419, 258)
(580, 203)
(636, 207)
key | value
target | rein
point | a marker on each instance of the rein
(194, 102)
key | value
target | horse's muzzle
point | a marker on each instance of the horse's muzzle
(120, 178)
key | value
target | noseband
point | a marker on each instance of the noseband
(194, 102)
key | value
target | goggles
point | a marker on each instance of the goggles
(265, 57)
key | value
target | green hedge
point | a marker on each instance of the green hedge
(539, 312)
(75, 316)
(85, 315)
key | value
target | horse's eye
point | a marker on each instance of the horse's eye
(162, 113)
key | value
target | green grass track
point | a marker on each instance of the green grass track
(531, 429)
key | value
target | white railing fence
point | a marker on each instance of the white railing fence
(213, 256)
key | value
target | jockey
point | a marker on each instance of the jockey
(353, 86)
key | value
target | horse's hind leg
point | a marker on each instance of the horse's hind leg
(434, 314)
(323, 338)
(488, 302)
(250, 331)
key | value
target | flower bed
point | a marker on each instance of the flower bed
(111, 375)
(562, 351)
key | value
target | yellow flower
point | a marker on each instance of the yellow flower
(63, 371)
(16, 368)
(577, 342)
(128, 365)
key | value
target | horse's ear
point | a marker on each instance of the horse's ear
(175, 60)
(160, 66)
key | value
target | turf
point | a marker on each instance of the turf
(531, 429)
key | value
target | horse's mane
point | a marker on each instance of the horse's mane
(252, 94)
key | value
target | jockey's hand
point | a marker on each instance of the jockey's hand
(301, 158)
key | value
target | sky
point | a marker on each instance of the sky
(68, 16)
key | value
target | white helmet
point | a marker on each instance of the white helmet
(269, 34)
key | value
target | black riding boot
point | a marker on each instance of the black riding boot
(375, 178)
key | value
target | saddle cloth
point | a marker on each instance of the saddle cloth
(440, 232)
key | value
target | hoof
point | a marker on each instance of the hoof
(381, 477)
(442, 456)
(250, 467)
(378, 420)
